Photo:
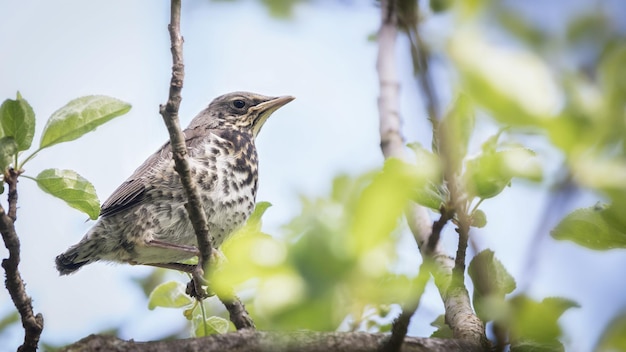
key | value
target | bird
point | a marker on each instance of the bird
(145, 221)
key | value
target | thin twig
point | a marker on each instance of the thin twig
(438, 226)
(33, 324)
(458, 273)
(169, 111)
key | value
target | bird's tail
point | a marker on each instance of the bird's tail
(74, 258)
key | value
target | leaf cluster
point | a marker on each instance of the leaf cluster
(79, 116)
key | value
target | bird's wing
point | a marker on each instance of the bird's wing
(133, 190)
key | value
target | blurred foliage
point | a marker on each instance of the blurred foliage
(613, 338)
(336, 257)
(280, 9)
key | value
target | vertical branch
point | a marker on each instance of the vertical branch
(392, 146)
(197, 215)
(391, 141)
(169, 112)
(459, 314)
(33, 324)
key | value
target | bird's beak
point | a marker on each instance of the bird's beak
(266, 108)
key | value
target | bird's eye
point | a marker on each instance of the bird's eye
(239, 103)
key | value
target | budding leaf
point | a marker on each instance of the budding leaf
(8, 148)
(80, 116)
(18, 121)
(170, 294)
(71, 187)
(479, 219)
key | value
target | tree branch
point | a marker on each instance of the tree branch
(33, 324)
(459, 314)
(257, 341)
(195, 209)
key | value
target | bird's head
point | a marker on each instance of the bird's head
(240, 110)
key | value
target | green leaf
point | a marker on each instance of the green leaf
(613, 337)
(479, 219)
(456, 129)
(382, 203)
(589, 228)
(18, 121)
(431, 193)
(443, 330)
(525, 96)
(80, 116)
(439, 5)
(71, 187)
(523, 345)
(214, 325)
(537, 321)
(491, 283)
(169, 295)
(8, 320)
(8, 148)
(490, 172)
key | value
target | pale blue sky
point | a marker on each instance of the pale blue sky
(53, 51)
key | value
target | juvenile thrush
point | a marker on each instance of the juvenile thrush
(145, 221)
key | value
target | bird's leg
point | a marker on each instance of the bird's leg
(194, 288)
(193, 251)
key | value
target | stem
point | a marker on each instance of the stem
(33, 324)
(206, 328)
(34, 154)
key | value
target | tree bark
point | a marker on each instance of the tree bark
(260, 341)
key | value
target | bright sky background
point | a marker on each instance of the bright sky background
(54, 51)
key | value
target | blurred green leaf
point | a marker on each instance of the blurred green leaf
(491, 283)
(170, 294)
(382, 203)
(431, 192)
(589, 27)
(521, 28)
(534, 346)
(71, 187)
(443, 330)
(281, 9)
(80, 116)
(456, 129)
(614, 214)
(589, 228)
(18, 121)
(525, 96)
(214, 325)
(489, 173)
(533, 322)
(8, 320)
(440, 5)
(479, 219)
(613, 338)
(8, 148)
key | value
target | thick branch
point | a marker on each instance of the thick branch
(33, 324)
(257, 341)
(237, 312)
